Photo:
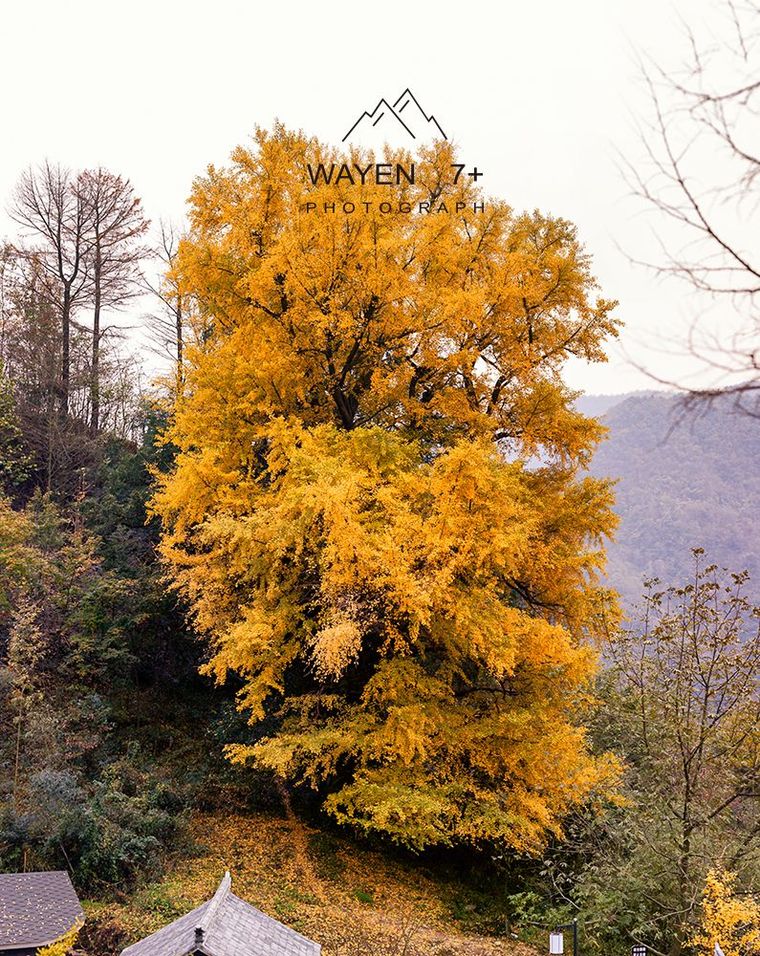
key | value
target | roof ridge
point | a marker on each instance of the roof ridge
(37, 873)
(215, 904)
(272, 919)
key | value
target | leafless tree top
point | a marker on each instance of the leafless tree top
(701, 174)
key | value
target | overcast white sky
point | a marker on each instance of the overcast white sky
(538, 94)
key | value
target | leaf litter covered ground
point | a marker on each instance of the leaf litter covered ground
(351, 900)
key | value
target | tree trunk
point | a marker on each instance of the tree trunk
(178, 318)
(17, 768)
(95, 371)
(65, 350)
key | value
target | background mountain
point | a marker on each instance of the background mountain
(684, 481)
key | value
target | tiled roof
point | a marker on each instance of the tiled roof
(36, 908)
(225, 926)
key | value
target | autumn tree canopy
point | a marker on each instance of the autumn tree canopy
(378, 510)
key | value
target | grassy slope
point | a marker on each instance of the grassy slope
(350, 899)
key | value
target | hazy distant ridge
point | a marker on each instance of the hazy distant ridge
(683, 482)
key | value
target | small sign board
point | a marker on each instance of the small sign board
(638, 949)
(556, 944)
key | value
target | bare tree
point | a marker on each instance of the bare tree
(168, 324)
(701, 174)
(116, 227)
(8, 262)
(680, 704)
(30, 360)
(56, 215)
(30, 353)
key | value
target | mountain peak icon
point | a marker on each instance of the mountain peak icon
(405, 117)
(408, 108)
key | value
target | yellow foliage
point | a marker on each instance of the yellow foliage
(62, 946)
(727, 919)
(377, 510)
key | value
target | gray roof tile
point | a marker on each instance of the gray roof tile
(228, 927)
(36, 908)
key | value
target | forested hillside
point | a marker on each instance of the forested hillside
(307, 609)
(685, 480)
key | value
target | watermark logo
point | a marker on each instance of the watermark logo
(405, 119)
(338, 187)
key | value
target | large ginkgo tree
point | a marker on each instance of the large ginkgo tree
(378, 510)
